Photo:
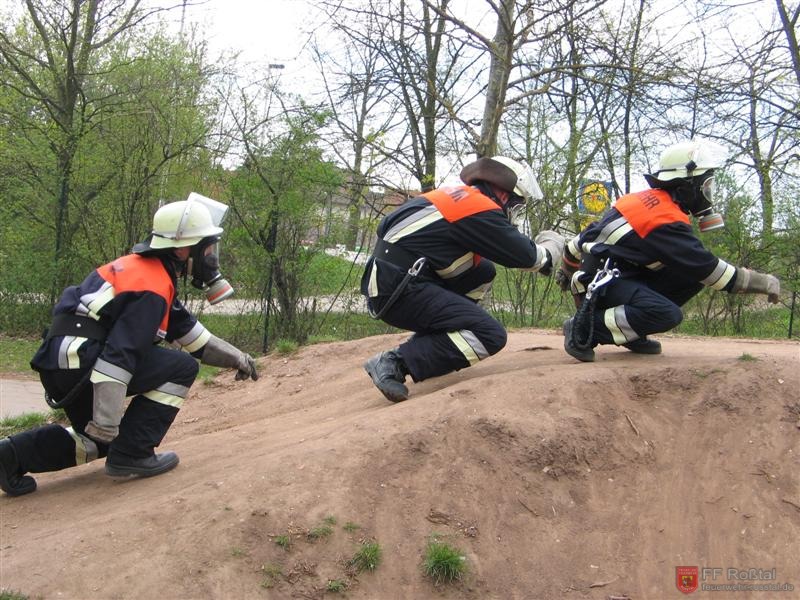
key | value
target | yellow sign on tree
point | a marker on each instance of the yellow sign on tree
(594, 198)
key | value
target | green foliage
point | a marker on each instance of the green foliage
(280, 197)
(330, 274)
(92, 139)
(367, 557)
(336, 586)
(12, 595)
(443, 563)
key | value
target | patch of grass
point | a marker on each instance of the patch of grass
(747, 357)
(238, 552)
(12, 595)
(367, 557)
(284, 541)
(320, 532)
(23, 422)
(271, 575)
(207, 374)
(329, 520)
(443, 563)
(16, 354)
(286, 346)
(322, 339)
(351, 527)
(337, 586)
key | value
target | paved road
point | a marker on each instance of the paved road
(21, 396)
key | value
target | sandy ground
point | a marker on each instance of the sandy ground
(555, 479)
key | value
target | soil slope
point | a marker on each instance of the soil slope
(556, 479)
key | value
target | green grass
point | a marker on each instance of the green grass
(286, 346)
(20, 423)
(271, 575)
(12, 595)
(320, 532)
(284, 541)
(747, 357)
(367, 557)
(329, 520)
(351, 527)
(16, 354)
(336, 586)
(443, 563)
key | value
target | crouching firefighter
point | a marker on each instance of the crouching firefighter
(434, 261)
(102, 347)
(633, 270)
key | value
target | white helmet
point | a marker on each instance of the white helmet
(183, 223)
(505, 173)
(526, 186)
(690, 159)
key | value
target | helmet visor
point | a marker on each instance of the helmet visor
(708, 188)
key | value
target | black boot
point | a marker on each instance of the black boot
(585, 355)
(119, 465)
(644, 346)
(13, 480)
(388, 373)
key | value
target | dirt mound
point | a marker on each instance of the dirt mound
(554, 478)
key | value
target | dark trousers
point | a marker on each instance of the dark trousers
(451, 331)
(143, 426)
(639, 306)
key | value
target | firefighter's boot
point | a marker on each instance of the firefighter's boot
(644, 346)
(583, 355)
(120, 465)
(388, 373)
(13, 480)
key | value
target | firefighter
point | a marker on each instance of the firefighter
(660, 262)
(434, 261)
(102, 347)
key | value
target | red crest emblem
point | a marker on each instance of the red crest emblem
(687, 579)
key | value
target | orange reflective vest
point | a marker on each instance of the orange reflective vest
(649, 209)
(135, 273)
(459, 202)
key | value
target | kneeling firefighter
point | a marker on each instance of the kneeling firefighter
(434, 261)
(102, 347)
(632, 270)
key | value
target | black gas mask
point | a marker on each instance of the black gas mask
(697, 197)
(204, 259)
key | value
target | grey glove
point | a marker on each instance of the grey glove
(554, 244)
(219, 353)
(753, 282)
(108, 405)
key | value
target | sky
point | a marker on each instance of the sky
(264, 31)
